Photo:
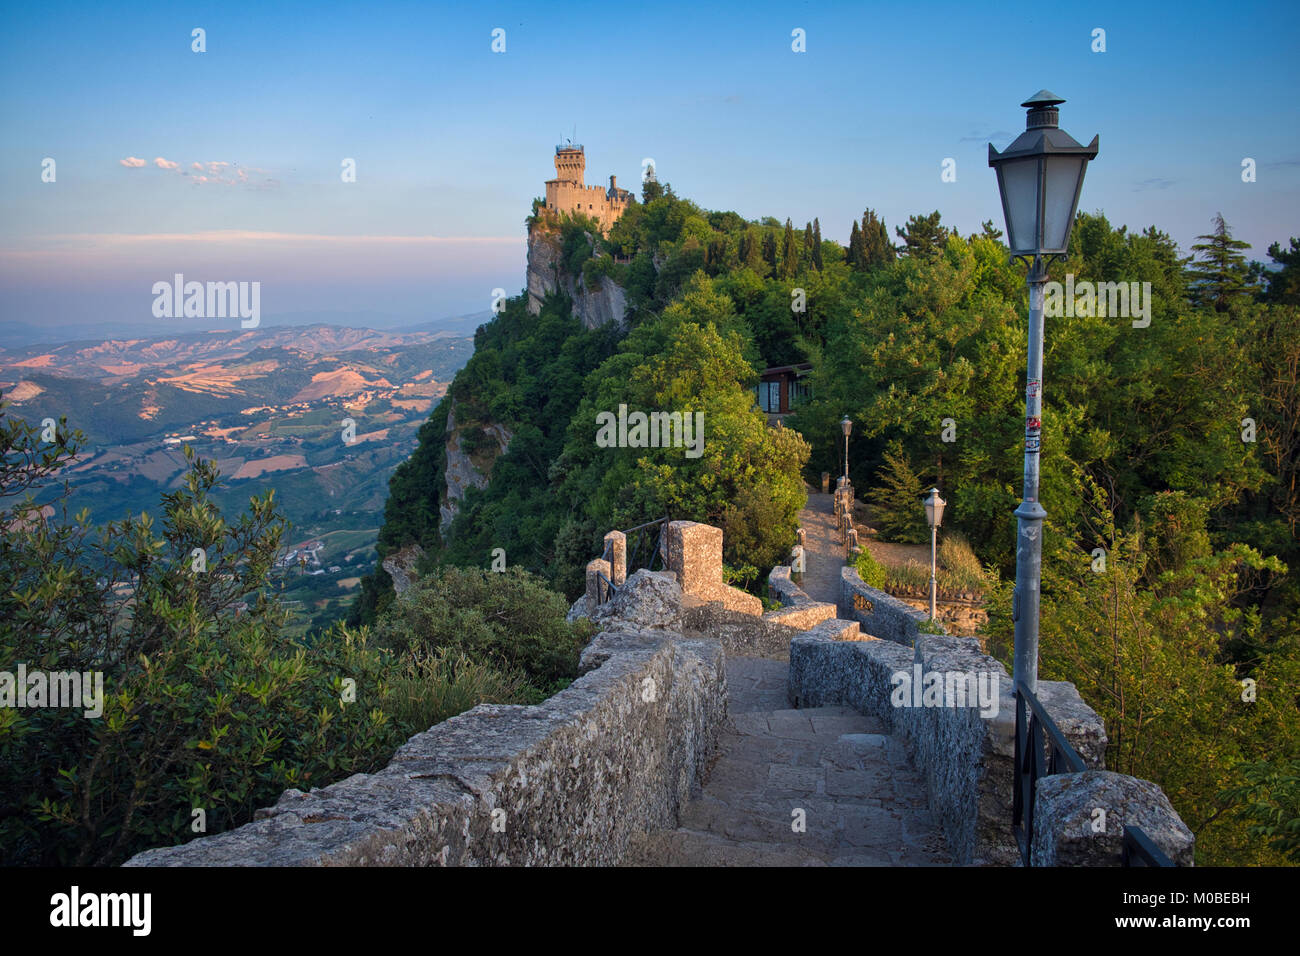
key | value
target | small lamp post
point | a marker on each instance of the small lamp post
(846, 426)
(934, 517)
(1039, 176)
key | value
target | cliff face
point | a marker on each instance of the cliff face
(461, 472)
(604, 303)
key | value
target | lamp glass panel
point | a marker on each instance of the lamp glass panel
(1063, 175)
(1020, 185)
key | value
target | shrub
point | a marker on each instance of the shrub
(204, 706)
(911, 575)
(509, 621)
(428, 690)
(870, 570)
(959, 569)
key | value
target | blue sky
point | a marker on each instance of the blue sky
(452, 141)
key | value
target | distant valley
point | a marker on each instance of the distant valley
(270, 405)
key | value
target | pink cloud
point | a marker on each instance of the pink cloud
(165, 163)
(132, 162)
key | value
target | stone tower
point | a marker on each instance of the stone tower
(570, 164)
(569, 193)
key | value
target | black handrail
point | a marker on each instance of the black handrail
(1032, 721)
(1140, 850)
(643, 547)
(635, 559)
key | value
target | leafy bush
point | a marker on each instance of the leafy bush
(505, 620)
(870, 570)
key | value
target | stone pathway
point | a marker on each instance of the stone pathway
(863, 803)
(823, 551)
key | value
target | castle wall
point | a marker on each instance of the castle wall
(593, 201)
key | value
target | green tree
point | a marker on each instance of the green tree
(1219, 276)
(896, 499)
(789, 253)
(1284, 283)
(923, 236)
(877, 250)
(857, 252)
(769, 249)
(817, 262)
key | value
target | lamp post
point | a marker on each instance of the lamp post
(847, 427)
(934, 517)
(1039, 178)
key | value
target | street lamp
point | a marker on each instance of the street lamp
(847, 427)
(933, 517)
(1039, 176)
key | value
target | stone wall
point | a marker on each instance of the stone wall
(877, 613)
(968, 759)
(695, 556)
(566, 782)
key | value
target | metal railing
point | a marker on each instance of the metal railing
(646, 549)
(1032, 723)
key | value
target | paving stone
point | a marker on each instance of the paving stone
(797, 779)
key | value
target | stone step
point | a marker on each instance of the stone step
(837, 773)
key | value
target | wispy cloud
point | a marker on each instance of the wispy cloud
(217, 172)
(1155, 183)
(977, 135)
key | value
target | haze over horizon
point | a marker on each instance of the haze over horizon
(225, 165)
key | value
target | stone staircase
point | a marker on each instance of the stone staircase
(862, 802)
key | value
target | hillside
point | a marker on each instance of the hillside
(269, 406)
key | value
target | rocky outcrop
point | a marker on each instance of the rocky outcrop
(401, 567)
(605, 302)
(460, 471)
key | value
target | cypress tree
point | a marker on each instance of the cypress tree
(857, 257)
(877, 250)
(817, 246)
(769, 249)
(789, 253)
